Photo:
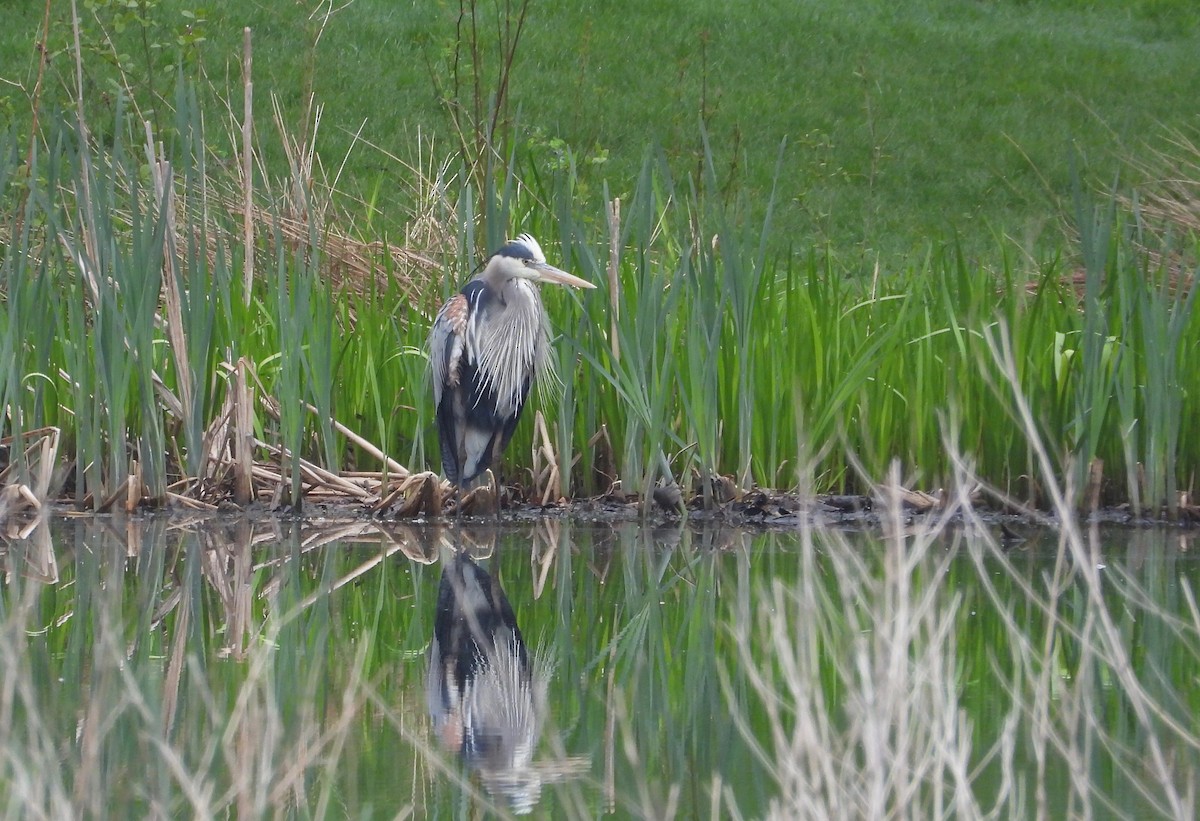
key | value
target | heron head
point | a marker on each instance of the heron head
(523, 257)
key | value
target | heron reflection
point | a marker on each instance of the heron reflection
(486, 695)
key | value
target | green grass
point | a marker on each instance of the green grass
(903, 122)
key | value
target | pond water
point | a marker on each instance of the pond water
(166, 666)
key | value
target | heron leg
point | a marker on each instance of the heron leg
(494, 486)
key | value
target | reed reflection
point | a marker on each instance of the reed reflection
(485, 693)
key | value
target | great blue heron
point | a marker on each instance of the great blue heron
(486, 695)
(488, 345)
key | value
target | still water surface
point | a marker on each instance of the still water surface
(166, 666)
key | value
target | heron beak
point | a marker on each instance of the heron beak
(548, 273)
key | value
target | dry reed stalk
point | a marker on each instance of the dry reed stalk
(320, 479)
(26, 480)
(176, 658)
(241, 619)
(164, 194)
(371, 563)
(217, 453)
(243, 434)
(247, 168)
(546, 477)
(188, 502)
(41, 561)
(46, 459)
(610, 733)
(420, 492)
(115, 496)
(391, 465)
(614, 274)
(917, 501)
(541, 560)
(1095, 479)
(428, 496)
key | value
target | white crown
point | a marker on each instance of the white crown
(532, 244)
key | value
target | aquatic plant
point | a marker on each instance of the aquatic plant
(194, 333)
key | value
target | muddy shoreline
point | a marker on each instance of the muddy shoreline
(755, 510)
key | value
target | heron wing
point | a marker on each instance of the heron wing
(446, 342)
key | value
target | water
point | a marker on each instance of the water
(166, 666)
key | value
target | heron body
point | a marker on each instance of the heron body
(489, 343)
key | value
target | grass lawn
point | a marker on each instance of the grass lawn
(903, 121)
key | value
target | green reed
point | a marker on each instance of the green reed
(712, 356)
(874, 362)
(202, 281)
(113, 232)
(27, 329)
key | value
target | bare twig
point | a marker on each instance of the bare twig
(247, 167)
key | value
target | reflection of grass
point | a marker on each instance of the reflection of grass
(861, 691)
(275, 667)
(121, 706)
(884, 700)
